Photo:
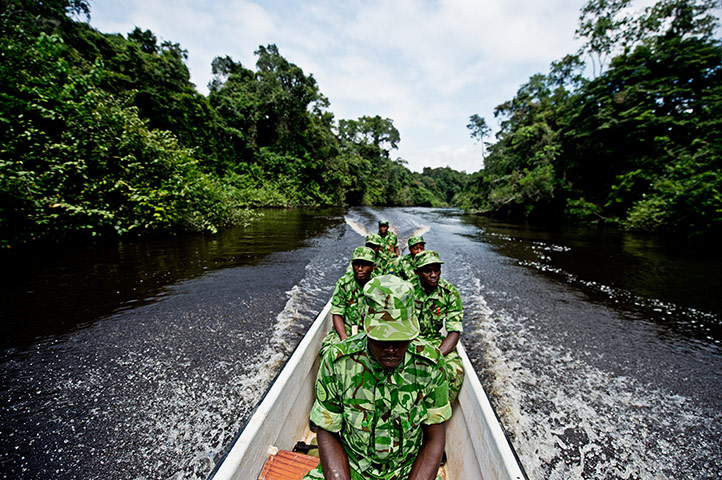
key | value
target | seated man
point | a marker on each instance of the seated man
(390, 244)
(438, 304)
(405, 265)
(381, 395)
(384, 263)
(348, 297)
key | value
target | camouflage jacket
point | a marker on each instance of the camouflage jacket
(440, 308)
(379, 413)
(347, 301)
(385, 263)
(389, 244)
(405, 267)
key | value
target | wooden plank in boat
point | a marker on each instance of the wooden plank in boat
(287, 465)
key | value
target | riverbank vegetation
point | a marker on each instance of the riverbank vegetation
(105, 135)
(637, 145)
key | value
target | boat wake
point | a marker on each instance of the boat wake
(569, 418)
(356, 226)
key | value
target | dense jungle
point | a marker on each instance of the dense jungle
(105, 135)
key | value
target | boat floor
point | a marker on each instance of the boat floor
(287, 465)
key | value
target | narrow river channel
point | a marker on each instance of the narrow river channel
(601, 351)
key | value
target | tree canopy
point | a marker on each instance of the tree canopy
(105, 135)
(637, 145)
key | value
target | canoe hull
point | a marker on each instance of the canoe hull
(475, 442)
(281, 418)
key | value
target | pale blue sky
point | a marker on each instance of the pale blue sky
(428, 65)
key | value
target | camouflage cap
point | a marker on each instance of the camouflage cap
(426, 257)
(390, 312)
(415, 240)
(363, 253)
(384, 222)
(374, 239)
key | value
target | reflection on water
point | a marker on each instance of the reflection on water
(671, 281)
(598, 348)
(58, 289)
(181, 338)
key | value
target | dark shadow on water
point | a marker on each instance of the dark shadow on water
(53, 290)
(674, 282)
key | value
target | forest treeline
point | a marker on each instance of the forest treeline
(104, 134)
(639, 144)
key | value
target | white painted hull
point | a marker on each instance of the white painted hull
(475, 443)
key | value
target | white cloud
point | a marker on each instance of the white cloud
(466, 157)
(428, 65)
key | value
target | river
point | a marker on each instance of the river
(601, 350)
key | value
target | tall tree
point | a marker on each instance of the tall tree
(375, 131)
(602, 23)
(479, 130)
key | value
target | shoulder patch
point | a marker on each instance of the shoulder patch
(353, 344)
(424, 349)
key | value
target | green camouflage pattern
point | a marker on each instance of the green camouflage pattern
(405, 267)
(385, 264)
(364, 253)
(415, 240)
(383, 222)
(346, 301)
(374, 239)
(389, 242)
(382, 265)
(427, 257)
(441, 308)
(374, 273)
(378, 413)
(389, 309)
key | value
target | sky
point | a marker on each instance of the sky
(427, 65)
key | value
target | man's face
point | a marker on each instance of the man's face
(362, 270)
(429, 275)
(383, 229)
(416, 249)
(388, 354)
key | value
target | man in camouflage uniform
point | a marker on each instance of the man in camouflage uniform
(384, 263)
(438, 304)
(390, 244)
(405, 265)
(347, 298)
(382, 395)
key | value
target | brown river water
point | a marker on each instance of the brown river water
(600, 350)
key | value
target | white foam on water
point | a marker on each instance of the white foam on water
(569, 419)
(691, 319)
(250, 387)
(356, 226)
(176, 426)
(420, 230)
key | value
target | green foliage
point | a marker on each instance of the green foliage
(638, 145)
(582, 211)
(479, 130)
(74, 158)
(105, 135)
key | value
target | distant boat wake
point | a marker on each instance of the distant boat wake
(417, 231)
(357, 227)
(361, 230)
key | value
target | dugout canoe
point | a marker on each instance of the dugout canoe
(476, 445)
